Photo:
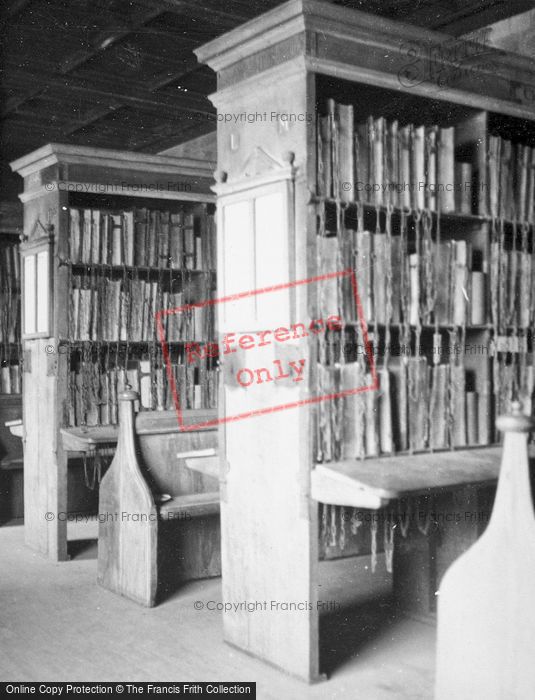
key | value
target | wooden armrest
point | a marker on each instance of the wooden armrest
(12, 464)
(204, 465)
(192, 504)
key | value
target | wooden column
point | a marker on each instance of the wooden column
(269, 524)
(486, 610)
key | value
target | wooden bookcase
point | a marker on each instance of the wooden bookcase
(10, 360)
(111, 238)
(275, 495)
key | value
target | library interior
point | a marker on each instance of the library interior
(267, 363)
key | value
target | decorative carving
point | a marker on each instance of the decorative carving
(259, 163)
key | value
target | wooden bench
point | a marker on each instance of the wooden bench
(158, 517)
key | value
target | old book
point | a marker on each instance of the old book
(5, 380)
(478, 314)
(87, 232)
(431, 167)
(418, 167)
(335, 149)
(521, 180)
(446, 169)
(198, 253)
(326, 155)
(493, 178)
(527, 301)
(463, 188)
(329, 255)
(105, 243)
(189, 242)
(137, 291)
(140, 237)
(163, 239)
(485, 421)
(362, 162)
(363, 272)
(472, 418)
(414, 281)
(75, 235)
(460, 282)
(344, 114)
(95, 238)
(124, 325)
(152, 244)
(418, 402)
(378, 183)
(104, 379)
(443, 263)
(353, 442)
(506, 180)
(85, 314)
(530, 197)
(438, 408)
(396, 262)
(128, 234)
(159, 373)
(386, 441)
(380, 277)
(372, 420)
(405, 150)
(117, 243)
(176, 241)
(145, 384)
(458, 405)
(392, 176)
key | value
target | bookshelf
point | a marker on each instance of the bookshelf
(332, 69)
(110, 238)
(10, 360)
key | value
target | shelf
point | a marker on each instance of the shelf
(373, 483)
(88, 438)
(121, 269)
(451, 216)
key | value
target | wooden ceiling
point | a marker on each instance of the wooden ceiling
(122, 73)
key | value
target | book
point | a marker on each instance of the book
(406, 184)
(363, 272)
(463, 189)
(345, 120)
(431, 167)
(418, 386)
(74, 235)
(446, 169)
(418, 168)
(438, 407)
(353, 445)
(478, 314)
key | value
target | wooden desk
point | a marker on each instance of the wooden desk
(373, 483)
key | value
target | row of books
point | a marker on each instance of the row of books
(381, 162)
(10, 294)
(143, 237)
(9, 266)
(384, 163)
(93, 394)
(10, 378)
(511, 180)
(513, 288)
(416, 407)
(125, 310)
(10, 324)
(436, 285)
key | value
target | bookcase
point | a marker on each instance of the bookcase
(365, 128)
(111, 238)
(10, 360)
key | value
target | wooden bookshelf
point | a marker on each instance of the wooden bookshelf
(110, 239)
(293, 60)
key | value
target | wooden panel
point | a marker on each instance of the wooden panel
(127, 552)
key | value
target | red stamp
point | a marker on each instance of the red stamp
(264, 367)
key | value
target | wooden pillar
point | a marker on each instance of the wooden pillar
(266, 236)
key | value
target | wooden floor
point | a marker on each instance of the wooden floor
(56, 624)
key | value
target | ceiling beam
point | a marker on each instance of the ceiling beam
(111, 89)
(108, 37)
(13, 7)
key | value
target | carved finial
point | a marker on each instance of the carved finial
(128, 394)
(220, 176)
(23, 238)
(515, 421)
(288, 157)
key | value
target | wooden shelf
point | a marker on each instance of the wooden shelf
(88, 438)
(373, 483)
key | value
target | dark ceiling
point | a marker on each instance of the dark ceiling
(122, 73)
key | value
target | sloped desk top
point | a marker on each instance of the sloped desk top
(372, 483)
